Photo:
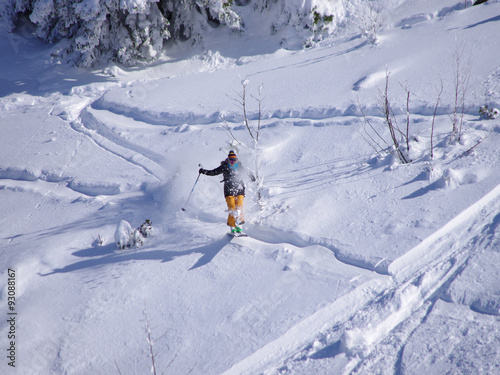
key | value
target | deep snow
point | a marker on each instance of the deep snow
(355, 263)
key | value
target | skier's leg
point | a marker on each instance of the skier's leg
(239, 208)
(231, 206)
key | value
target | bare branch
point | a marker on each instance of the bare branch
(150, 340)
(367, 122)
(390, 120)
(462, 71)
(438, 101)
(229, 129)
(244, 84)
(407, 90)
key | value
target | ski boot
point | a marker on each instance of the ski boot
(236, 230)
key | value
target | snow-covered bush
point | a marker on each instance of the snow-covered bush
(370, 21)
(190, 19)
(303, 22)
(123, 235)
(488, 113)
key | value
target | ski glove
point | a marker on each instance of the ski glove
(202, 171)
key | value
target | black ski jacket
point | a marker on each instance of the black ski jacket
(233, 178)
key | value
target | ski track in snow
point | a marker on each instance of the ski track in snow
(114, 144)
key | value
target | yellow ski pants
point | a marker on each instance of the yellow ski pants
(235, 208)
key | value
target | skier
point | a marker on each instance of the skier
(234, 188)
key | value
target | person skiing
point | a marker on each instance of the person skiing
(234, 188)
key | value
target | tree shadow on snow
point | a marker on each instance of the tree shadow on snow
(329, 351)
(424, 190)
(104, 255)
(492, 19)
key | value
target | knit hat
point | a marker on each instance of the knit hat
(232, 155)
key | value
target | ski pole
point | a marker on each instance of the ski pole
(199, 174)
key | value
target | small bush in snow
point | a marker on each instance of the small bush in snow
(302, 23)
(461, 77)
(370, 21)
(123, 235)
(397, 136)
(488, 113)
(99, 241)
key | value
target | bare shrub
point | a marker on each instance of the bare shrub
(254, 131)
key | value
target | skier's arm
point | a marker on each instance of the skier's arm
(213, 172)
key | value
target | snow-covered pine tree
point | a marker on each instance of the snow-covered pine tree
(303, 22)
(124, 31)
(128, 31)
(190, 19)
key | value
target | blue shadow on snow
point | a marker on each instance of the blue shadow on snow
(103, 255)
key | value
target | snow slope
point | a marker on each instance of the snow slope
(355, 263)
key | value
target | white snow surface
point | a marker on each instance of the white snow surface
(354, 264)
